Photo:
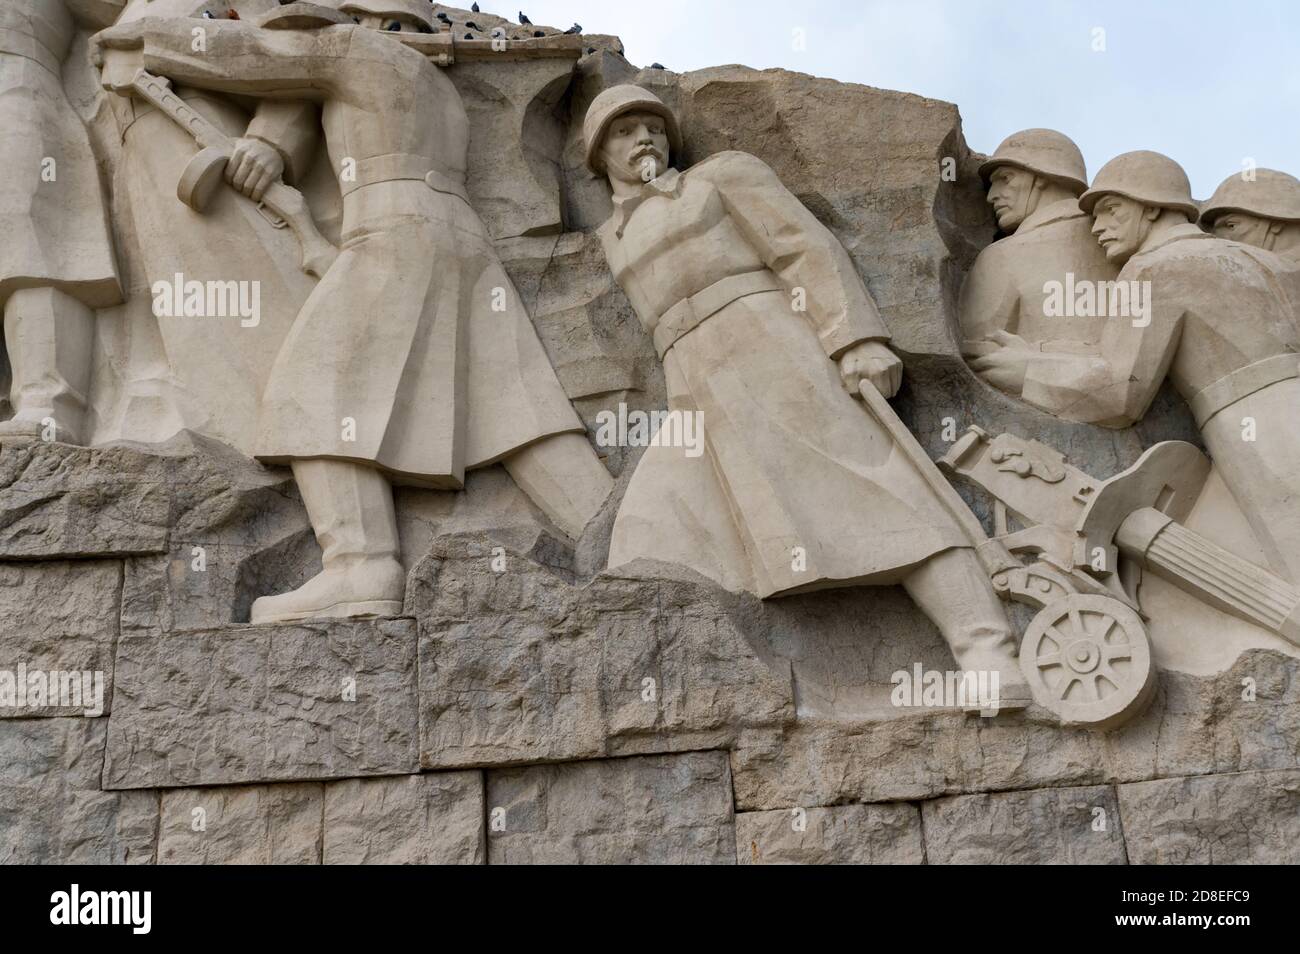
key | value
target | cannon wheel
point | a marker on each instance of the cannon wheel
(1088, 660)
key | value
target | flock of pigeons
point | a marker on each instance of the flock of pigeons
(523, 21)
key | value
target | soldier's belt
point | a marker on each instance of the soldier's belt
(690, 312)
(15, 43)
(400, 166)
(1230, 388)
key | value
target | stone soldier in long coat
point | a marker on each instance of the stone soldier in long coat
(1222, 327)
(56, 257)
(203, 374)
(799, 487)
(414, 359)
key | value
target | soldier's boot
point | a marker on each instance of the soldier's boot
(351, 510)
(562, 475)
(953, 589)
(49, 336)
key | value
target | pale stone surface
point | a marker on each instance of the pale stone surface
(436, 818)
(1244, 818)
(839, 835)
(520, 665)
(723, 264)
(1035, 177)
(247, 825)
(60, 615)
(548, 660)
(63, 501)
(410, 819)
(1194, 726)
(662, 809)
(255, 704)
(51, 808)
(1079, 826)
(1260, 207)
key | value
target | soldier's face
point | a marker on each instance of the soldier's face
(635, 147)
(1120, 225)
(1011, 193)
(1240, 227)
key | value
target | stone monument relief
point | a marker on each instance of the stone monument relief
(432, 439)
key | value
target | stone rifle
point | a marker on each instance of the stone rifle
(205, 172)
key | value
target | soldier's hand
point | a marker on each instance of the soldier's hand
(873, 362)
(253, 167)
(124, 36)
(1004, 369)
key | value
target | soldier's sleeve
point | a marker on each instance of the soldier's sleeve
(292, 129)
(232, 56)
(800, 250)
(1114, 387)
(989, 302)
(95, 14)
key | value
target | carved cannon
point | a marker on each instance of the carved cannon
(1086, 653)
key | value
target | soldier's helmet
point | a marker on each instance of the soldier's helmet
(1044, 152)
(1270, 195)
(1146, 177)
(419, 10)
(614, 102)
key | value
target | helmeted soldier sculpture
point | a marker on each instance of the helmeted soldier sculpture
(799, 488)
(413, 360)
(56, 259)
(1260, 207)
(1221, 325)
(1034, 180)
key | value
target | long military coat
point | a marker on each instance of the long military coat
(799, 487)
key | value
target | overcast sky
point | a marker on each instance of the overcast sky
(1209, 82)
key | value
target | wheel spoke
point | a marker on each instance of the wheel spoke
(1049, 659)
(1065, 685)
(1111, 651)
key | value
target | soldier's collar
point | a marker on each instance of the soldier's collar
(668, 185)
(1055, 212)
(1179, 233)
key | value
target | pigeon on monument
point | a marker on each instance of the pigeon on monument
(523, 18)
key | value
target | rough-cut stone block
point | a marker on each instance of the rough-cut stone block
(263, 703)
(840, 835)
(57, 500)
(247, 825)
(520, 666)
(1041, 827)
(1242, 818)
(51, 808)
(662, 809)
(59, 616)
(432, 819)
(1195, 726)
